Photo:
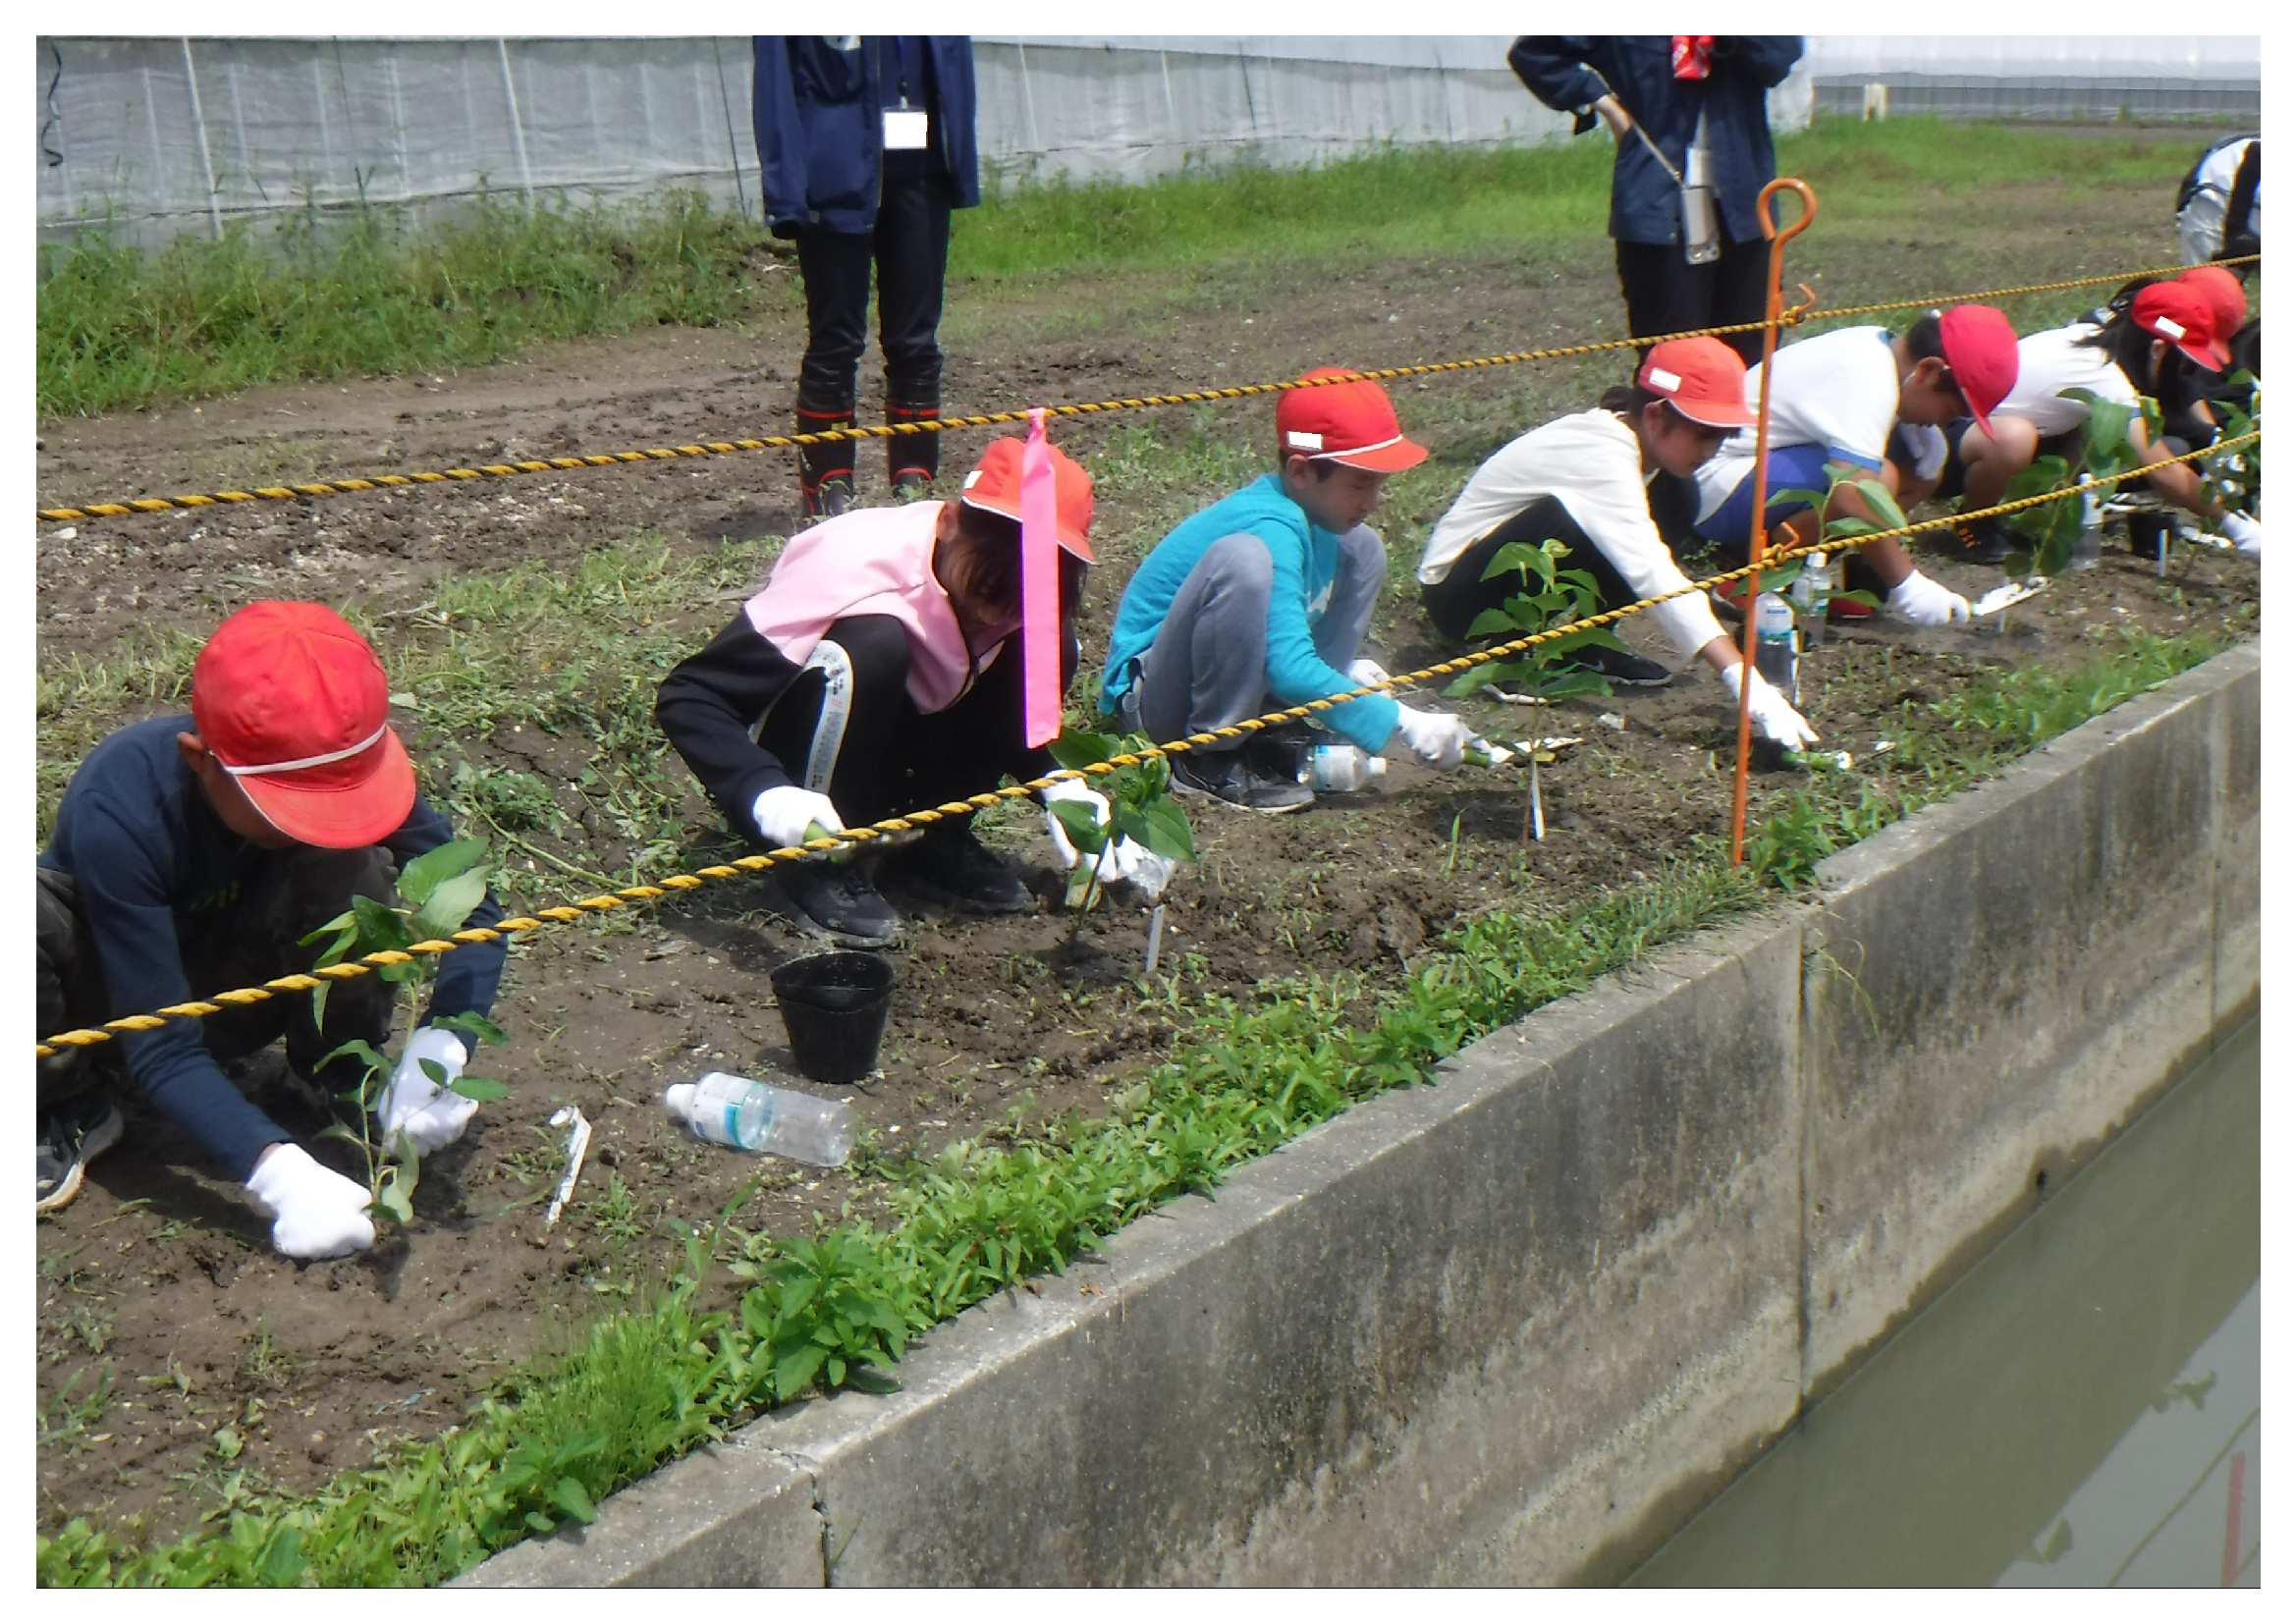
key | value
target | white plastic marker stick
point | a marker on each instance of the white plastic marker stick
(1538, 806)
(1155, 939)
(577, 1144)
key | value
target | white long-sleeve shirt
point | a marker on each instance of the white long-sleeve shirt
(1590, 462)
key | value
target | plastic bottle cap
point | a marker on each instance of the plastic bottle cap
(678, 1098)
(1376, 766)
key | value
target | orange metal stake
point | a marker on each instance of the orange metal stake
(1757, 542)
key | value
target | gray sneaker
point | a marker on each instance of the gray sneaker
(1230, 778)
(835, 901)
(73, 1132)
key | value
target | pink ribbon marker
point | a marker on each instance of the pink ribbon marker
(1040, 590)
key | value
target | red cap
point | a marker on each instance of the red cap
(1981, 347)
(1352, 424)
(1703, 378)
(2226, 298)
(2181, 314)
(291, 702)
(995, 487)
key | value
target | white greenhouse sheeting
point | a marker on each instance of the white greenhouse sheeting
(162, 135)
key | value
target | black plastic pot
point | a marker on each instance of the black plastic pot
(2148, 534)
(835, 1005)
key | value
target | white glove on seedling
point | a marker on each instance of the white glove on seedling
(2243, 533)
(1922, 601)
(314, 1213)
(427, 1110)
(1773, 717)
(1366, 672)
(1439, 739)
(1123, 861)
(784, 814)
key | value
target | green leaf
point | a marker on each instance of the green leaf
(794, 1374)
(570, 1496)
(420, 877)
(1081, 823)
(366, 1050)
(341, 923)
(1498, 622)
(450, 904)
(472, 1025)
(1815, 499)
(283, 1560)
(485, 1090)
(1883, 504)
(380, 927)
(1570, 683)
(1523, 559)
(1165, 830)
(1077, 749)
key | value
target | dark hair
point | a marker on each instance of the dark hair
(1627, 400)
(1925, 340)
(2247, 345)
(1322, 466)
(2129, 347)
(979, 566)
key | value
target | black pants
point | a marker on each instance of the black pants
(910, 247)
(1454, 601)
(256, 939)
(1665, 294)
(893, 758)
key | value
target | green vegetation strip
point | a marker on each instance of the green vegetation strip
(838, 1310)
(324, 297)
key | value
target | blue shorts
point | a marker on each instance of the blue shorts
(1791, 467)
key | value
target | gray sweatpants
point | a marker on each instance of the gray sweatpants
(1208, 666)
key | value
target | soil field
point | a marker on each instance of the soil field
(181, 1362)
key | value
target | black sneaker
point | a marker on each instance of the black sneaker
(1230, 779)
(1984, 541)
(73, 1132)
(836, 899)
(1620, 666)
(950, 865)
(1281, 752)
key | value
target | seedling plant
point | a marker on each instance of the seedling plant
(2048, 532)
(1551, 596)
(1140, 808)
(441, 887)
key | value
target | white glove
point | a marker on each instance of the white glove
(1123, 861)
(2243, 533)
(430, 1114)
(1366, 672)
(1919, 599)
(784, 814)
(1773, 717)
(314, 1213)
(1437, 739)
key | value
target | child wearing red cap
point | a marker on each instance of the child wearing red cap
(2151, 339)
(878, 670)
(211, 844)
(1262, 600)
(1614, 486)
(1839, 397)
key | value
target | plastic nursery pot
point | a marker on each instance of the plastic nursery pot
(835, 1005)
(2148, 534)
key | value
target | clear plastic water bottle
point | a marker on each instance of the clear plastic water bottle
(1809, 591)
(1338, 769)
(757, 1116)
(1773, 646)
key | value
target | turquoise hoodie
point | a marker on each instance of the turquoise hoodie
(1306, 561)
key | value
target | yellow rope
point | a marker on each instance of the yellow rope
(571, 911)
(1806, 312)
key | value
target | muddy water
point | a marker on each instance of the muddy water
(2081, 1411)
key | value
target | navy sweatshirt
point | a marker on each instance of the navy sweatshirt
(144, 850)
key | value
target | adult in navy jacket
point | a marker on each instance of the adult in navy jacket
(850, 174)
(1663, 84)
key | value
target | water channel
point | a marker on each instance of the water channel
(2082, 1410)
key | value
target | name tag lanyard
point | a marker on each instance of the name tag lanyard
(905, 124)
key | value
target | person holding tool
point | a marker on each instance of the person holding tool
(216, 841)
(2147, 344)
(1689, 115)
(864, 146)
(1838, 397)
(878, 670)
(1262, 601)
(1614, 486)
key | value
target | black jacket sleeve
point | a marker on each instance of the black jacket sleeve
(1765, 59)
(708, 706)
(1554, 68)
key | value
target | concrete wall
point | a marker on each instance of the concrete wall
(1516, 1327)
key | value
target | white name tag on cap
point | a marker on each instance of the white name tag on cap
(905, 129)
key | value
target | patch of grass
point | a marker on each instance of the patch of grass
(119, 327)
